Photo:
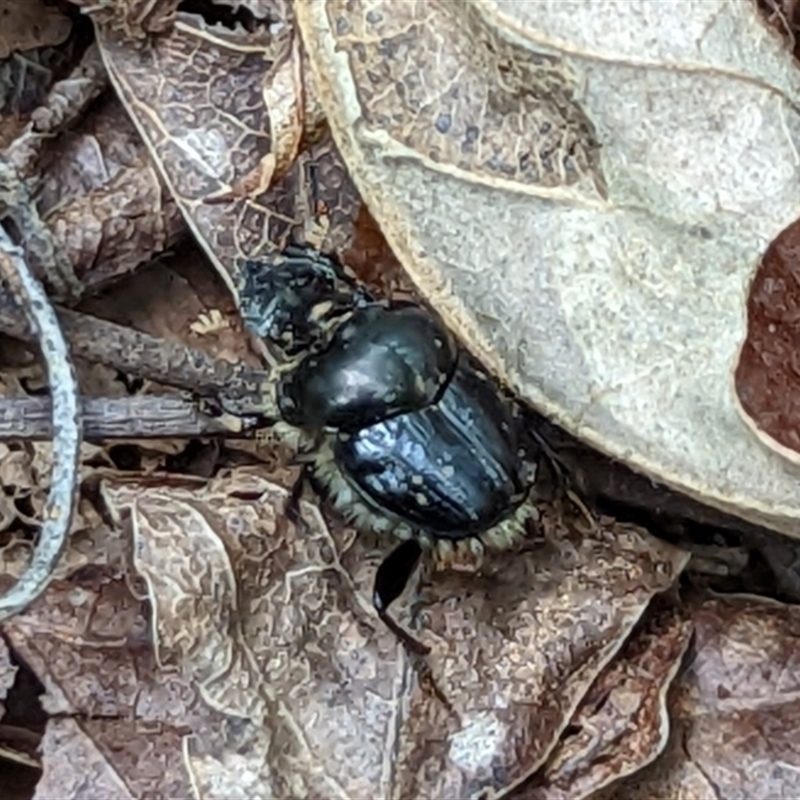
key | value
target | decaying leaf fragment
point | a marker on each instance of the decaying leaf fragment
(622, 724)
(516, 648)
(768, 370)
(735, 708)
(103, 758)
(276, 626)
(90, 195)
(33, 23)
(117, 720)
(7, 674)
(293, 636)
(103, 199)
(134, 18)
(23, 475)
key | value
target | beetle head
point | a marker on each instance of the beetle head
(295, 298)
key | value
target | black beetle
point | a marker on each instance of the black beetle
(403, 432)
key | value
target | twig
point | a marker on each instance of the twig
(239, 389)
(142, 417)
(58, 509)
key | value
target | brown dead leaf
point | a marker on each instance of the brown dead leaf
(30, 24)
(272, 676)
(734, 710)
(24, 471)
(117, 719)
(196, 95)
(97, 192)
(87, 156)
(115, 758)
(221, 109)
(18, 745)
(301, 665)
(102, 198)
(622, 723)
(282, 632)
(372, 260)
(516, 650)
(134, 18)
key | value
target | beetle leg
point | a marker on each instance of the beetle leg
(291, 509)
(305, 459)
(390, 580)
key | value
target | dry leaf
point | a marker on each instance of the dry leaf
(119, 758)
(24, 471)
(734, 710)
(31, 24)
(201, 97)
(117, 721)
(271, 675)
(768, 370)
(95, 188)
(7, 674)
(103, 199)
(134, 18)
(277, 628)
(622, 723)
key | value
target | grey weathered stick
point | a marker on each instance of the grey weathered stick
(142, 417)
(60, 503)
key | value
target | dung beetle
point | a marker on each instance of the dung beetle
(397, 425)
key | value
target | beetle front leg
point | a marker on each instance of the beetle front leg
(390, 580)
(291, 508)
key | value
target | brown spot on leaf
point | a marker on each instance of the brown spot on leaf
(768, 373)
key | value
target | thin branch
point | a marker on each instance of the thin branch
(240, 389)
(59, 507)
(142, 417)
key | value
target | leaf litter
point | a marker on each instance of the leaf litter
(195, 644)
(275, 632)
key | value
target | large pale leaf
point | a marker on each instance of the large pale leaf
(584, 189)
